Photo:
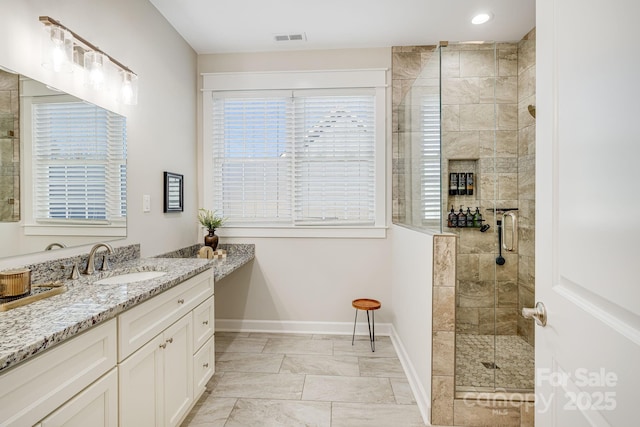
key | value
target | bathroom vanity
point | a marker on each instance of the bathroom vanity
(127, 354)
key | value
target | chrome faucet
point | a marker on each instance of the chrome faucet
(91, 268)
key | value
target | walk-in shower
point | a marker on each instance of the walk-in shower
(483, 186)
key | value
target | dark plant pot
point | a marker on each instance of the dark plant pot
(211, 240)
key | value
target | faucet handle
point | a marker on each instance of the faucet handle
(75, 272)
(105, 263)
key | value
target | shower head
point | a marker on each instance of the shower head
(532, 110)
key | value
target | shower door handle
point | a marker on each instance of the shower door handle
(539, 313)
(514, 231)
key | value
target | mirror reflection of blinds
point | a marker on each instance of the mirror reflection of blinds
(430, 177)
(79, 159)
(294, 160)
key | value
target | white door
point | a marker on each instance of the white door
(588, 212)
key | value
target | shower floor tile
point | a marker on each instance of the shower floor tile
(476, 356)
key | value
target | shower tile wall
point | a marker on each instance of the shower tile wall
(526, 181)
(9, 147)
(472, 81)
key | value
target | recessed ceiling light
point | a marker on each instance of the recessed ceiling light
(481, 18)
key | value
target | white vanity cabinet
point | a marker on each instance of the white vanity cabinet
(146, 367)
(38, 388)
(156, 369)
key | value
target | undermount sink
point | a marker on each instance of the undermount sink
(137, 276)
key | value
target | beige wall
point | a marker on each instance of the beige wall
(304, 279)
(161, 128)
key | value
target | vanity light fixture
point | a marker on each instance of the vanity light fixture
(62, 48)
(57, 49)
(481, 18)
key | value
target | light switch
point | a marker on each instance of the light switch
(146, 203)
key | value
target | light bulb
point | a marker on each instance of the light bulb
(129, 89)
(57, 49)
(95, 64)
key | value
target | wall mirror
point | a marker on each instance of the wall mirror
(62, 169)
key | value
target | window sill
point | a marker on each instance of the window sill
(305, 232)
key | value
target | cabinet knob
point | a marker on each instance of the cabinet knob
(180, 301)
(206, 322)
(163, 345)
(170, 340)
(206, 365)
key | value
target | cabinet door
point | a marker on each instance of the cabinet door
(141, 385)
(97, 406)
(178, 370)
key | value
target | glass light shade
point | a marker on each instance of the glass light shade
(57, 49)
(96, 68)
(129, 88)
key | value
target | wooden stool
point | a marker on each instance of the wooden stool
(368, 305)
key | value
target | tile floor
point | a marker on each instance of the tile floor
(513, 356)
(305, 380)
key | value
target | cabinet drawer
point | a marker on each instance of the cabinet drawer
(203, 323)
(143, 322)
(203, 366)
(35, 388)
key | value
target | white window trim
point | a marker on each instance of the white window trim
(287, 80)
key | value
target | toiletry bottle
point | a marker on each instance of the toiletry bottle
(462, 218)
(477, 218)
(469, 218)
(452, 219)
(469, 183)
(462, 184)
(453, 184)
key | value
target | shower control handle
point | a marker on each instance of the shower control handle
(539, 313)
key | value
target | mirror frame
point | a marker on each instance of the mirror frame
(173, 192)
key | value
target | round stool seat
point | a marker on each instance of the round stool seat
(366, 304)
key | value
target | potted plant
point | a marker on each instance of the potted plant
(211, 221)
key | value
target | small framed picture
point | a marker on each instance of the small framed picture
(173, 192)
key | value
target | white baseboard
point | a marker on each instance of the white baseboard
(284, 327)
(422, 397)
(338, 328)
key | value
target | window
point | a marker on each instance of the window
(296, 158)
(79, 160)
(430, 171)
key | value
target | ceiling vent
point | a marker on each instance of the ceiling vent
(297, 37)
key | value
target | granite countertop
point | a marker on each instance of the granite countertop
(29, 330)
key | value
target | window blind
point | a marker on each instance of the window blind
(334, 160)
(294, 160)
(430, 179)
(79, 159)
